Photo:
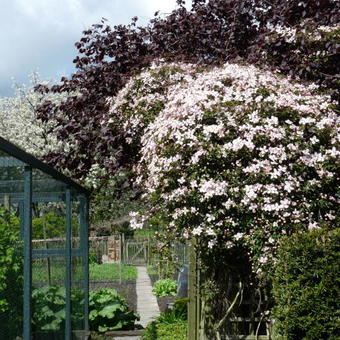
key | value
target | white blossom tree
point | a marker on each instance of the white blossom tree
(18, 121)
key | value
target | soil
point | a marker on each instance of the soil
(153, 278)
(127, 289)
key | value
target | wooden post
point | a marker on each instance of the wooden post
(192, 293)
(126, 252)
(7, 202)
(47, 259)
(145, 252)
(149, 251)
(120, 257)
(123, 248)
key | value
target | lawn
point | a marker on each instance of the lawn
(96, 272)
(112, 271)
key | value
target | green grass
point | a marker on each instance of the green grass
(143, 234)
(97, 272)
(152, 270)
(112, 271)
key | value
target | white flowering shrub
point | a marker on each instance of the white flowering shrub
(235, 155)
(144, 97)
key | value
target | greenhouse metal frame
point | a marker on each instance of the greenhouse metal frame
(28, 188)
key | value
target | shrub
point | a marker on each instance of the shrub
(11, 279)
(176, 331)
(168, 326)
(50, 225)
(181, 308)
(165, 287)
(306, 286)
(93, 257)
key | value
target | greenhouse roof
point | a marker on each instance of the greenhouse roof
(47, 180)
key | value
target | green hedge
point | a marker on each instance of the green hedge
(306, 286)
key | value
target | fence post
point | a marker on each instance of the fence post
(123, 248)
(48, 258)
(7, 202)
(126, 245)
(149, 251)
(120, 257)
(193, 324)
(145, 244)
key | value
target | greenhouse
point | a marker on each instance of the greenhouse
(44, 250)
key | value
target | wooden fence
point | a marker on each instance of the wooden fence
(113, 248)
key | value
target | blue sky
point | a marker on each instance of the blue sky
(39, 35)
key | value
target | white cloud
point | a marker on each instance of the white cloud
(40, 34)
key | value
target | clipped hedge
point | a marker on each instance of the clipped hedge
(306, 286)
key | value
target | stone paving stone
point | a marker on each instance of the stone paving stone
(147, 306)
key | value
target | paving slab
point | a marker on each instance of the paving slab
(147, 306)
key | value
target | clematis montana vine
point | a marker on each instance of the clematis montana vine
(236, 155)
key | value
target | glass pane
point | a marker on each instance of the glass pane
(77, 294)
(48, 298)
(48, 225)
(75, 222)
(11, 178)
(46, 188)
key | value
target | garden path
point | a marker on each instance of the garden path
(147, 306)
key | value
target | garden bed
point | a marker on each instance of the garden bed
(112, 276)
(126, 288)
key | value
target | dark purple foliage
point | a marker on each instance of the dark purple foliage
(211, 33)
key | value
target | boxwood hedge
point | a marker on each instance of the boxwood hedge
(306, 286)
